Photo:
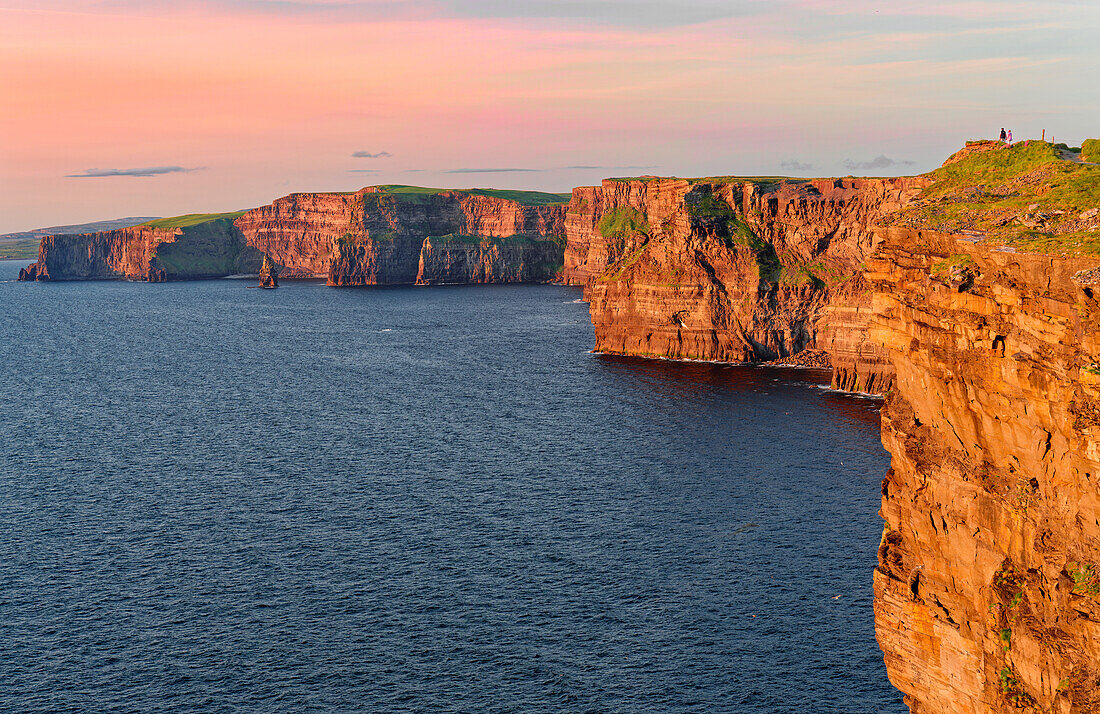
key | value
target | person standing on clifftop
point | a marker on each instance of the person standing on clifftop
(1010, 136)
(1004, 137)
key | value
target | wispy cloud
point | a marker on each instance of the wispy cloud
(879, 162)
(364, 171)
(492, 171)
(369, 155)
(795, 165)
(143, 172)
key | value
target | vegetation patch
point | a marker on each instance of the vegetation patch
(946, 266)
(1090, 150)
(799, 275)
(1013, 690)
(1024, 195)
(21, 249)
(192, 219)
(623, 222)
(615, 271)
(1086, 578)
(210, 252)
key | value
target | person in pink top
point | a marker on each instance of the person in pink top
(1009, 136)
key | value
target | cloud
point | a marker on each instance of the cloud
(369, 155)
(364, 171)
(147, 171)
(879, 162)
(795, 165)
(492, 171)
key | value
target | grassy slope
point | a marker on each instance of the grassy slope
(24, 249)
(1025, 195)
(1090, 150)
(526, 198)
(191, 220)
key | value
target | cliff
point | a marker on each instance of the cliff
(987, 592)
(379, 235)
(400, 235)
(733, 269)
(168, 249)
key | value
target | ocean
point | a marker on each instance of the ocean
(223, 499)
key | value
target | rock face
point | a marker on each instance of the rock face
(207, 250)
(987, 591)
(374, 236)
(447, 237)
(733, 270)
(269, 274)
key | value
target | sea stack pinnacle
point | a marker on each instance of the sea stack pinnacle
(269, 274)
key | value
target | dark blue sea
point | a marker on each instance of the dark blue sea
(223, 499)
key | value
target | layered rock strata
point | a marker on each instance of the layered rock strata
(733, 270)
(987, 591)
(449, 237)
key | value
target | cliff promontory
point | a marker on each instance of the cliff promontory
(987, 591)
(734, 269)
(195, 246)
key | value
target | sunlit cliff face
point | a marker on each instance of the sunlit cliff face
(254, 99)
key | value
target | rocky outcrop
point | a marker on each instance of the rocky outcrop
(269, 274)
(733, 270)
(147, 252)
(987, 590)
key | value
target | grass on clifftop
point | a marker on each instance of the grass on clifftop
(525, 198)
(1026, 195)
(191, 220)
(1090, 150)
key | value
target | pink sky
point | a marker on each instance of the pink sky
(257, 99)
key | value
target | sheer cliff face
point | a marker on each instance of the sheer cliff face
(143, 253)
(987, 592)
(297, 230)
(733, 270)
(451, 237)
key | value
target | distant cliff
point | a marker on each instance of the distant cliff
(733, 269)
(380, 235)
(206, 246)
(404, 235)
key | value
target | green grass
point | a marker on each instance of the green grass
(191, 220)
(20, 249)
(995, 191)
(525, 198)
(1090, 150)
(1086, 578)
(945, 266)
(623, 222)
(211, 251)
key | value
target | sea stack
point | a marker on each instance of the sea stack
(269, 274)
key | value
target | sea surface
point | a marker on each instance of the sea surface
(223, 499)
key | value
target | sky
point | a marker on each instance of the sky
(112, 108)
